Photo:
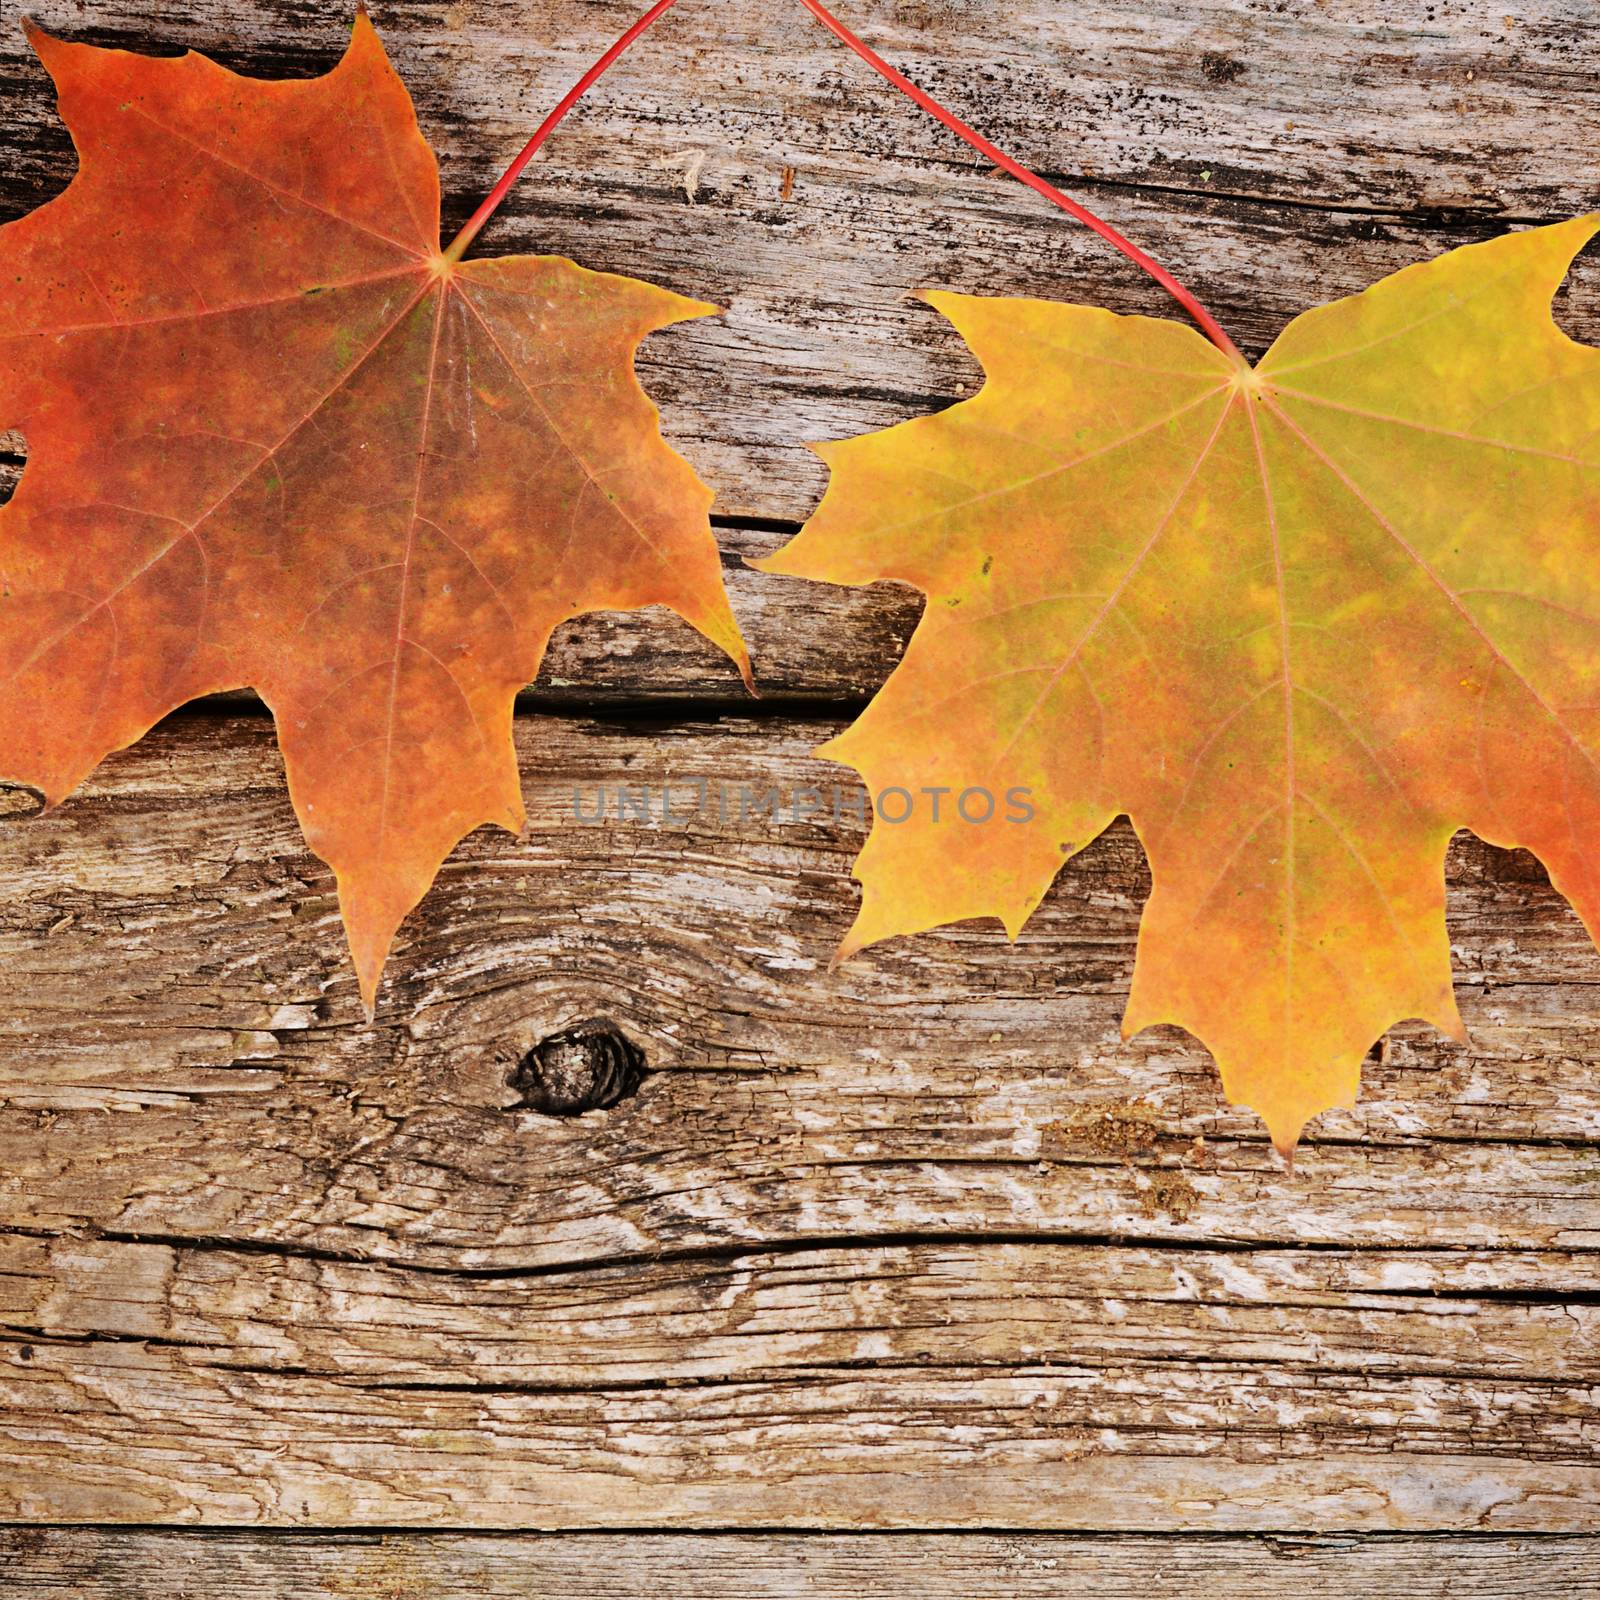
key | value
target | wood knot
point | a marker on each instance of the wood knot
(586, 1067)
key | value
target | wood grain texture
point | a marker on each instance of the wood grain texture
(86, 1564)
(917, 1243)
(132, 1431)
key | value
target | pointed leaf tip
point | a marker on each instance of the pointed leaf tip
(39, 39)
(429, 548)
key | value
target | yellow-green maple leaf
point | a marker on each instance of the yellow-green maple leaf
(1300, 622)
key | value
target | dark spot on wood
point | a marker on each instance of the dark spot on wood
(1368, 229)
(25, 1352)
(1170, 1194)
(1219, 68)
(586, 1067)
(1127, 1130)
(20, 800)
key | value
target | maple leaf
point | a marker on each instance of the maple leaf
(279, 439)
(1301, 623)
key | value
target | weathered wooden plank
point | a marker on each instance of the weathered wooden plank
(134, 1431)
(1222, 139)
(185, 1055)
(92, 1564)
(1463, 1318)
(1189, 1367)
(271, 1299)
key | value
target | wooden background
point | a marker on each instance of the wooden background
(917, 1245)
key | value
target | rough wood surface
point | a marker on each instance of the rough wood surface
(918, 1243)
(85, 1564)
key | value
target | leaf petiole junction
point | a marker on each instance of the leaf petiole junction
(1202, 318)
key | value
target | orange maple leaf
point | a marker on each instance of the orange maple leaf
(1300, 622)
(279, 439)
